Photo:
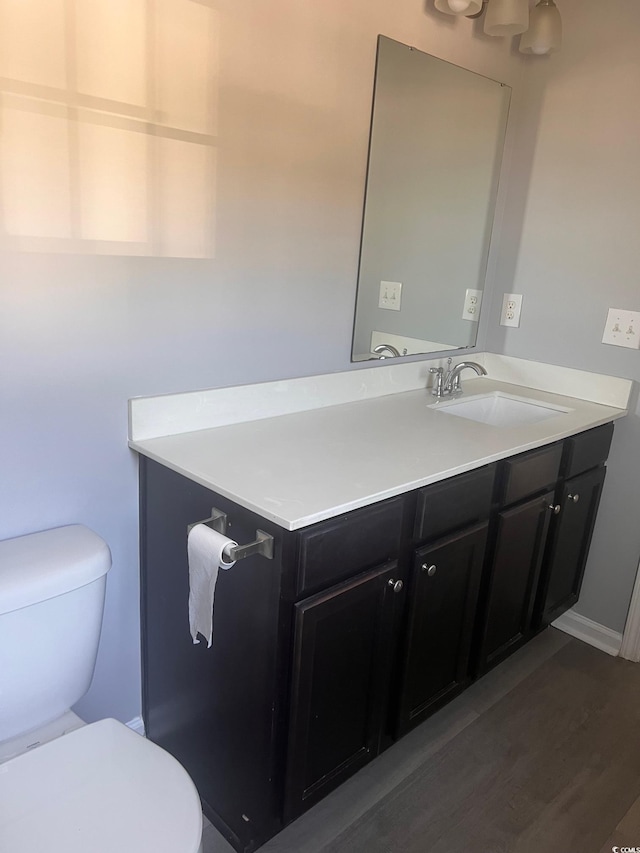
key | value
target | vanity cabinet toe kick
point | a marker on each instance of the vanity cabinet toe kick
(358, 629)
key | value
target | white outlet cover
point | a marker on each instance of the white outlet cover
(390, 295)
(622, 328)
(511, 308)
(472, 303)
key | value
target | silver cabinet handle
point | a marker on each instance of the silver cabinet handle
(395, 585)
(574, 498)
(555, 509)
(430, 570)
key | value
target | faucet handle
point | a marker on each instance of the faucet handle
(438, 386)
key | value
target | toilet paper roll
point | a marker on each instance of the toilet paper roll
(205, 553)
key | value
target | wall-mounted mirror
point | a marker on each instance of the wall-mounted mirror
(437, 134)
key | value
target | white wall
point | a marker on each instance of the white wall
(571, 248)
(79, 335)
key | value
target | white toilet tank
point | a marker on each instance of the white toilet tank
(51, 601)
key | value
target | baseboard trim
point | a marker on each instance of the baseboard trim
(590, 632)
(137, 725)
(631, 637)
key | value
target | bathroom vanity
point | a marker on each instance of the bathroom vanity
(401, 572)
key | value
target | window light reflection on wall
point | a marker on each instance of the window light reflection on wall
(541, 27)
(108, 117)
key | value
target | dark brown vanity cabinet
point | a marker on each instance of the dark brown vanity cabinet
(577, 502)
(512, 577)
(443, 595)
(358, 629)
(340, 684)
(343, 646)
(451, 527)
(526, 487)
(540, 543)
(569, 545)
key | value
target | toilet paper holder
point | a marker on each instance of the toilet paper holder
(262, 545)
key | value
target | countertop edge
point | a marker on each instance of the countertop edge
(302, 521)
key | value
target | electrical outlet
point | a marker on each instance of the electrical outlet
(390, 295)
(622, 328)
(472, 303)
(511, 307)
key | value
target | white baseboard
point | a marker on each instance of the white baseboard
(137, 725)
(631, 638)
(590, 632)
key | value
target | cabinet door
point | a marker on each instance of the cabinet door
(513, 578)
(569, 545)
(340, 683)
(443, 597)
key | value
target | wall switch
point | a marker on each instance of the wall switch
(390, 295)
(511, 307)
(622, 328)
(472, 303)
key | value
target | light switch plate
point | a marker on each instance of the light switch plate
(472, 303)
(622, 328)
(390, 295)
(511, 307)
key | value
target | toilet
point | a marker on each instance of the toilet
(67, 786)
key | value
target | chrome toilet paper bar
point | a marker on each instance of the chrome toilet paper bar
(262, 545)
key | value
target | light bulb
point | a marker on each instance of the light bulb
(540, 49)
(458, 7)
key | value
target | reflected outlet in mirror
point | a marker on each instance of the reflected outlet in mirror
(498, 409)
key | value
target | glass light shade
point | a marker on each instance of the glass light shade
(459, 7)
(506, 17)
(545, 30)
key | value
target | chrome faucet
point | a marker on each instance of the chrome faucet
(449, 385)
(382, 347)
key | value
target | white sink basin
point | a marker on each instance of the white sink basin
(499, 409)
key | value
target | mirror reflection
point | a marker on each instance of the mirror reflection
(435, 150)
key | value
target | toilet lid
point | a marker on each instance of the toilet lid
(101, 788)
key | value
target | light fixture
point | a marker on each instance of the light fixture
(541, 27)
(545, 30)
(459, 7)
(506, 17)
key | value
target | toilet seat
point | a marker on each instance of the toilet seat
(101, 788)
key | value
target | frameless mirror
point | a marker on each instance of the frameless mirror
(437, 134)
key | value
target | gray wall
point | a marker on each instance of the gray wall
(79, 335)
(571, 248)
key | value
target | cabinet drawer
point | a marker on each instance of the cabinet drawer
(530, 472)
(454, 503)
(587, 450)
(340, 548)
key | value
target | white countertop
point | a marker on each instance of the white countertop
(301, 468)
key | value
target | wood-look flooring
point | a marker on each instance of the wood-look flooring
(540, 756)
